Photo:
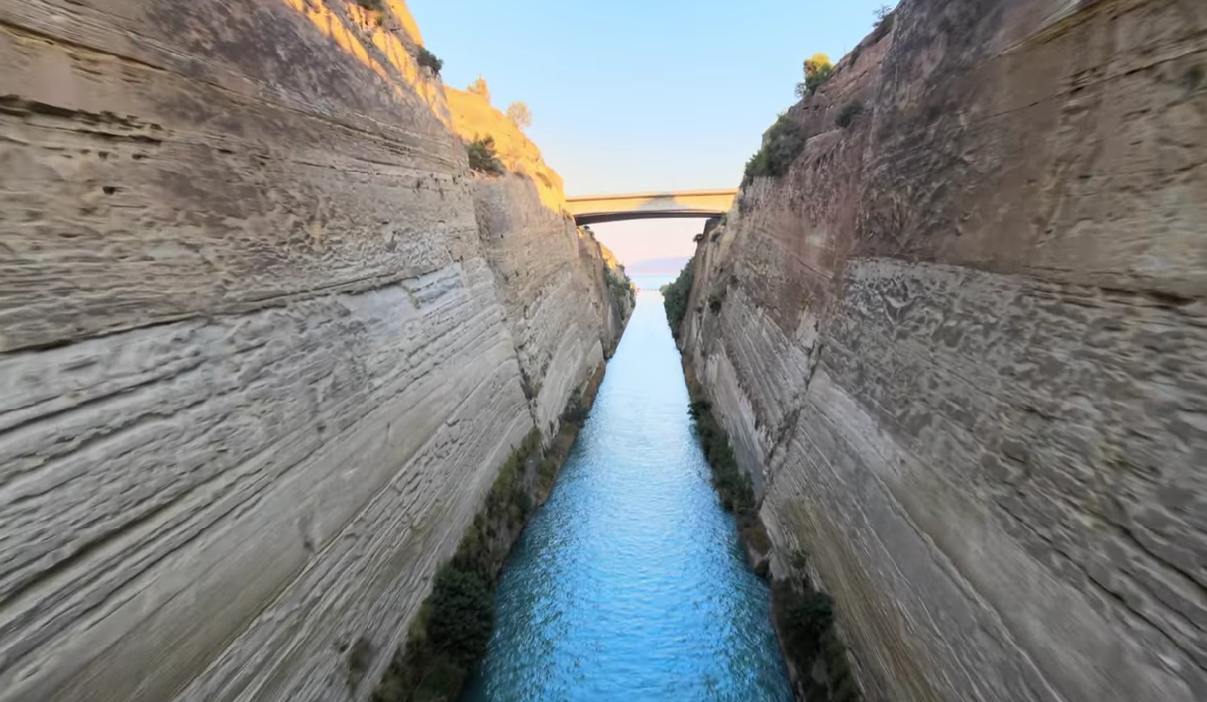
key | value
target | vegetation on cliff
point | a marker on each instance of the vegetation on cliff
(427, 59)
(781, 145)
(519, 114)
(482, 156)
(804, 618)
(818, 70)
(731, 482)
(674, 297)
(848, 113)
(479, 87)
(448, 637)
(624, 297)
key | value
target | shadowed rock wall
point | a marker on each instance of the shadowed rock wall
(963, 348)
(258, 364)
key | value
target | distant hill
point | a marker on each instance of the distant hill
(654, 266)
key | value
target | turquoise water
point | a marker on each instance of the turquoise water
(629, 584)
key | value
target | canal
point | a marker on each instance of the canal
(629, 584)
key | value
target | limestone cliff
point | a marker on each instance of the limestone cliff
(961, 346)
(264, 343)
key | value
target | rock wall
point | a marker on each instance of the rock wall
(263, 344)
(962, 346)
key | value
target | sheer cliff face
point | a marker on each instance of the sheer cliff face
(962, 345)
(260, 348)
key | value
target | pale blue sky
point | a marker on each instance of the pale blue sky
(636, 95)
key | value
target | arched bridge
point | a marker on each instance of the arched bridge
(596, 209)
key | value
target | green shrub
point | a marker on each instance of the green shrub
(375, 5)
(448, 636)
(674, 297)
(620, 288)
(462, 615)
(427, 59)
(818, 71)
(482, 156)
(731, 482)
(885, 16)
(805, 620)
(781, 145)
(848, 113)
(576, 410)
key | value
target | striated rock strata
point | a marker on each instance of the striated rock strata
(264, 343)
(962, 346)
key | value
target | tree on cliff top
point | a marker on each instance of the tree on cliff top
(519, 114)
(478, 87)
(884, 22)
(818, 70)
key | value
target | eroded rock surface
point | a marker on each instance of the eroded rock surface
(963, 347)
(264, 342)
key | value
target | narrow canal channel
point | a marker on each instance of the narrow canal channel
(629, 584)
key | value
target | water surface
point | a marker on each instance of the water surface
(629, 584)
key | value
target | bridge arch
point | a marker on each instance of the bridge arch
(597, 209)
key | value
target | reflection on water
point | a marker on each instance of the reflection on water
(629, 584)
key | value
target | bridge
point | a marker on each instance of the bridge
(596, 209)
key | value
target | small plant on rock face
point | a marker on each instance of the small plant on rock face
(462, 615)
(674, 298)
(848, 113)
(374, 5)
(884, 22)
(576, 410)
(781, 146)
(482, 156)
(427, 59)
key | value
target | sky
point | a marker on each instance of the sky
(642, 95)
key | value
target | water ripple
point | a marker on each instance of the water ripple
(629, 584)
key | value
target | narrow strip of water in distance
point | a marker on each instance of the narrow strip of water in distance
(629, 584)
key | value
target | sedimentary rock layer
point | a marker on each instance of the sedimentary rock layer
(962, 345)
(259, 361)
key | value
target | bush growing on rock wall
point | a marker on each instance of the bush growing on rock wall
(715, 299)
(805, 620)
(620, 287)
(427, 59)
(462, 615)
(732, 484)
(576, 410)
(818, 70)
(674, 297)
(781, 145)
(848, 113)
(449, 634)
(803, 615)
(482, 156)
(375, 5)
(884, 23)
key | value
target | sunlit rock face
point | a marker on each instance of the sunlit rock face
(962, 346)
(263, 344)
